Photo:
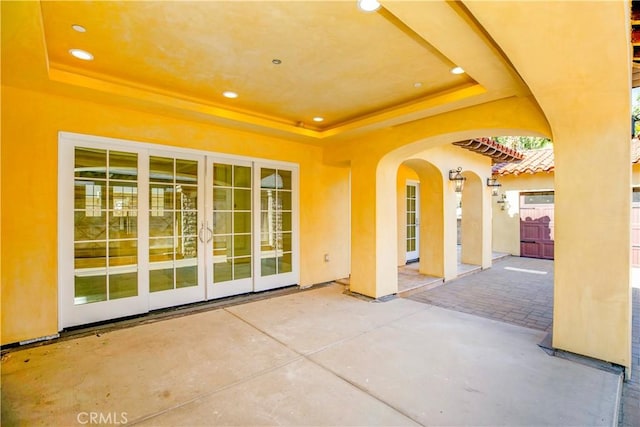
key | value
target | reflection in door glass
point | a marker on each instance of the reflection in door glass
(232, 254)
(173, 223)
(275, 221)
(411, 218)
(105, 225)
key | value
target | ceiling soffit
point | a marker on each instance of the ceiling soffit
(354, 69)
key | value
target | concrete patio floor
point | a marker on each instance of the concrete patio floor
(318, 357)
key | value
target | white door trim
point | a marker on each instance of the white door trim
(413, 255)
(72, 315)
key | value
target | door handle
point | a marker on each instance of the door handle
(210, 233)
(201, 231)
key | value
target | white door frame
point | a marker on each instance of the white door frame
(186, 295)
(262, 283)
(70, 314)
(413, 255)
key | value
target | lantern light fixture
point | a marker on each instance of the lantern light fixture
(456, 176)
(494, 184)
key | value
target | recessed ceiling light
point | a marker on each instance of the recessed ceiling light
(276, 61)
(79, 28)
(318, 119)
(417, 84)
(229, 94)
(457, 70)
(368, 5)
(81, 54)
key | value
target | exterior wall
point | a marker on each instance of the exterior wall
(444, 158)
(30, 125)
(506, 223)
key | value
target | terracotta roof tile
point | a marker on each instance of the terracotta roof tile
(490, 148)
(535, 161)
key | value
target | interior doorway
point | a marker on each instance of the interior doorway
(412, 196)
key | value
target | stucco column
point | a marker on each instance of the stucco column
(592, 294)
(450, 225)
(473, 227)
(373, 228)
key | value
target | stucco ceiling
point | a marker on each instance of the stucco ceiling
(357, 70)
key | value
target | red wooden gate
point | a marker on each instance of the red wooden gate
(536, 224)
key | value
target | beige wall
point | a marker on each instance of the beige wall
(506, 222)
(30, 125)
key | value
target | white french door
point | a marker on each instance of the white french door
(276, 223)
(229, 213)
(176, 233)
(100, 260)
(253, 226)
(142, 227)
(413, 221)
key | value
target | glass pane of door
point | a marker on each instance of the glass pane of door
(105, 225)
(231, 218)
(412, 223)
(276, 226)
(275, 221)
(173, 223)
(132, 230)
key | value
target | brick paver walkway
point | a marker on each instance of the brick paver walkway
(524, 298)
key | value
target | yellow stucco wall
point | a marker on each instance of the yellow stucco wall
(588, 108)
(579, 98)
(478, 208)
(30, 125)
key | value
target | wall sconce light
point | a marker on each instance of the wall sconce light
(456, 176)
(494, 184)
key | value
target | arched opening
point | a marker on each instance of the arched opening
(374, 210)
(472, 230)
(420, 225)
(425, 209)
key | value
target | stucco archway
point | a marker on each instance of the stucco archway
(475, 231)
(431, 213)
(374, 208)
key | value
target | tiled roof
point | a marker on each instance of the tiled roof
(490, 148)
(535, 161)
